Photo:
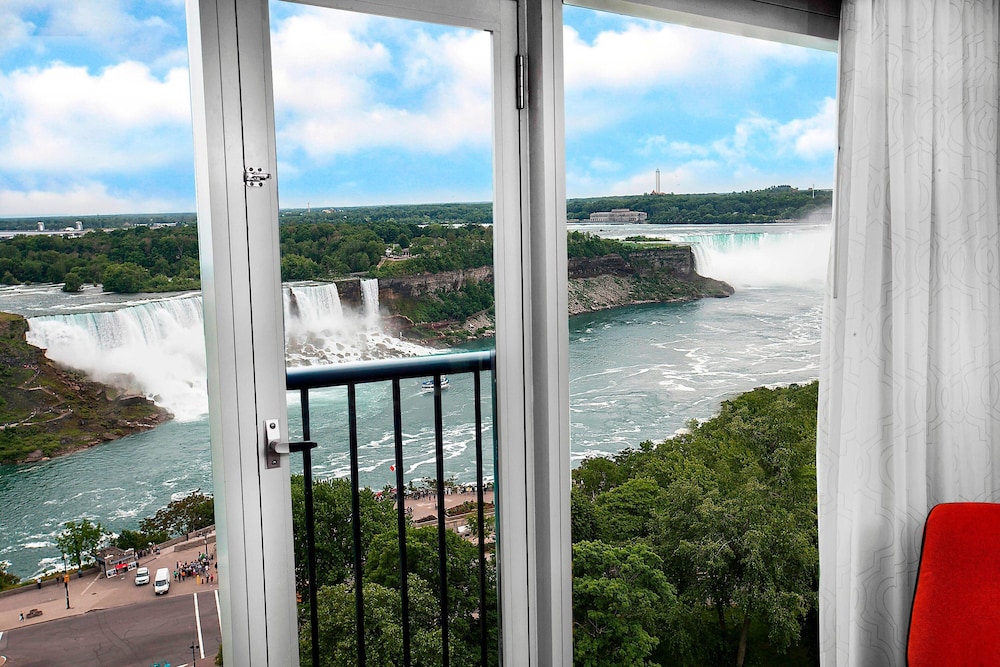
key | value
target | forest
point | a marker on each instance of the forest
(143, 259)
(751, 206)
(698, 550)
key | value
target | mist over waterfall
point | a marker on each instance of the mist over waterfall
(779, 258)
(157, 348)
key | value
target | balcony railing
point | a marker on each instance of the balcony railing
(351, 375)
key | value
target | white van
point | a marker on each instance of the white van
(161, 582)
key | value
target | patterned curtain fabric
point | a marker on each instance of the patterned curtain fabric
(910, 383)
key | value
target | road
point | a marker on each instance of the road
(160, 630)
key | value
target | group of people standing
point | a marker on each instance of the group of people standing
(202, 569)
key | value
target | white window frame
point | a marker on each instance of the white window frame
(238, 231)
(238, 236)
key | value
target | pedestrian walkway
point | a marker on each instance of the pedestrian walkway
(95, 591)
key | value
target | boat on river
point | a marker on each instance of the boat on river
(428, 385)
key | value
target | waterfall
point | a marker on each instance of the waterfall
(157, 347)
(777, 258)
(369, 299)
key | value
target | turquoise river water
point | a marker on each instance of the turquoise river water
(636, 373)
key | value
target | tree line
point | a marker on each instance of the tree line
(146, 259)
(752, 206)
(331, 243)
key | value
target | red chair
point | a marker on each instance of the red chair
(955, 618)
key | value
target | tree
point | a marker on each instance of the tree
(7, 580)
(185, 515)
(738, 524)
(383, 627)
(80, 539)
(134, 539)
(332, 524)
(72, 282)
(126, 278)
(620, 600)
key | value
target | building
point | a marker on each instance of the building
(618, 216)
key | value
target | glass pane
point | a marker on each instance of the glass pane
(384, 131)
(685, 146)
(98, 196)
(384, 142)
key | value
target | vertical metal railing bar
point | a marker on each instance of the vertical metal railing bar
(442, 544)
(404, 587)
(497, 500)
(483, 639)
(359, 599)
(306, 448)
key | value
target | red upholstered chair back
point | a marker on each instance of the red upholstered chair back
(955, 619)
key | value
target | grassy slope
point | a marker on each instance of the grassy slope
(46, 410)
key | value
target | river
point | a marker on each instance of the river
(637, 373)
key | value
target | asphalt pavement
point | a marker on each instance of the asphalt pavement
(113, 622)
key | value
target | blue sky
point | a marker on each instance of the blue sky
(95, 109)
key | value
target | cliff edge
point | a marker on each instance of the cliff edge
(47, 411)
(655, 275)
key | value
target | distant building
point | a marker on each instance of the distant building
(618, 216)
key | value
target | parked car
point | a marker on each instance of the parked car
(142, 576)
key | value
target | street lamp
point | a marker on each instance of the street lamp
(66, 580)
(193, 656)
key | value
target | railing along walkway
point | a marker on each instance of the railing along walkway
(350, 375)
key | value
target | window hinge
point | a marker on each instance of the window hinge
(521, 75)
(254, 178)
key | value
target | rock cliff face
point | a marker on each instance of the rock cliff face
(46, 410)
(676, 261)
(392, 290)
(660, 275)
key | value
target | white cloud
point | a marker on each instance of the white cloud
(344, 84)
(647, 55)
(88, 198)
(14, 30)
(814, 137)
(104, 25)
(61, 118)
(685, 149)
(811, 139)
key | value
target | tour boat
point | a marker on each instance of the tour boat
(428, 385)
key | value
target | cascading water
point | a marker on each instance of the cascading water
(154, 348)
(773, 258)
(319, 330)
(369, 299)
(157, 348)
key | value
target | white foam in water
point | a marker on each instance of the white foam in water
(157, 348)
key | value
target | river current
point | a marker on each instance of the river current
(637, 373)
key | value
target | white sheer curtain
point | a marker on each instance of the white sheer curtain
(910, 381)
